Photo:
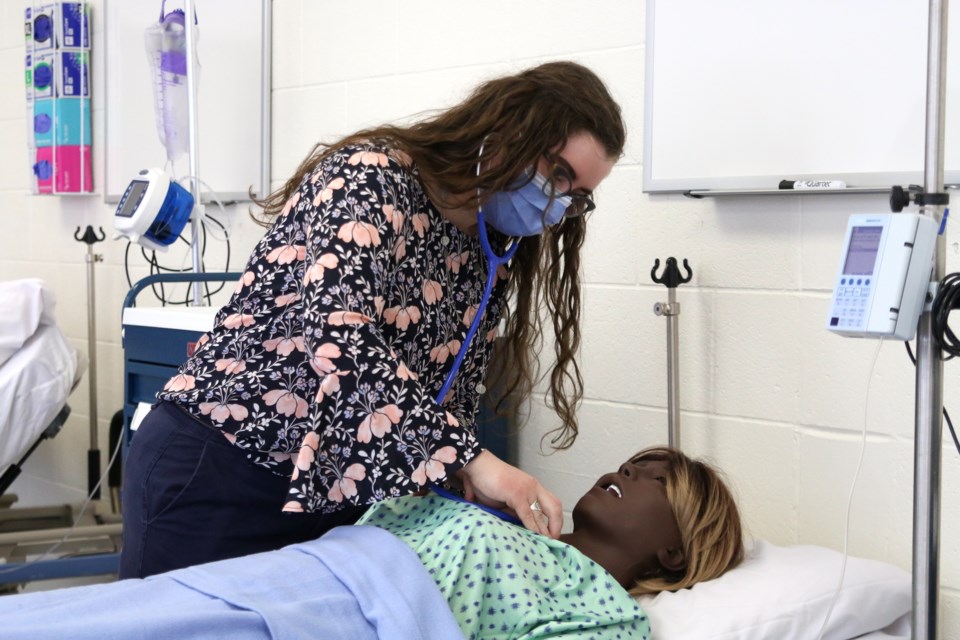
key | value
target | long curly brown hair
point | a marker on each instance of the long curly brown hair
(516, 120)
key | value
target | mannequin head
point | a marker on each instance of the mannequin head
(661, 522)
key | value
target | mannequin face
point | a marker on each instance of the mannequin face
(629, 513)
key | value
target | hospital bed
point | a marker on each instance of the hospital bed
(38, 368)
(777, 592)
(38, 371)
(361, 582)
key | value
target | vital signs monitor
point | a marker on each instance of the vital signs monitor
(884, 275)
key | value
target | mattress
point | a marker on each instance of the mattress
(35, 378)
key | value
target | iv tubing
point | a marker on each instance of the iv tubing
(194, 151)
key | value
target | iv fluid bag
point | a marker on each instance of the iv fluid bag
(166, 44)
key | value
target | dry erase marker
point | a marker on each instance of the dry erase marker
(813, 184)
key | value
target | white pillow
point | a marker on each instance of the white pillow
(784, 592)
(24, 306)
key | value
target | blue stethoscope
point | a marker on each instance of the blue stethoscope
(440, 491)
(493, 261)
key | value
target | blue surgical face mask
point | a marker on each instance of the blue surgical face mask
(520, 212)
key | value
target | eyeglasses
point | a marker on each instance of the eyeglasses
(559, 184)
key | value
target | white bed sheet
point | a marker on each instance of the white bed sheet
(34, 384)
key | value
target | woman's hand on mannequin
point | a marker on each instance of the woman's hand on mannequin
(494, 483)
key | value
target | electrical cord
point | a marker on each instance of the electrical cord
(66, 536)
(946, 300)
(853, 486)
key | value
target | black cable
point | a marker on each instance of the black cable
(946, 300)
(158, 289)
(946, 415)
(126, 264)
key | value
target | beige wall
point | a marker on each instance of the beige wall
(766, 392)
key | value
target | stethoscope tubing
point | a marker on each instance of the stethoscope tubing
(493, 262)
(440, 491)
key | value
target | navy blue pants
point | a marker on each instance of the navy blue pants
(190, 497)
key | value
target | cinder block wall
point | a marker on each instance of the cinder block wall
(767, 393)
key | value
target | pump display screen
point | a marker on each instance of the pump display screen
(862, 252)
(132, 198)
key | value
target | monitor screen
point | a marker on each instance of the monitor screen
(132, 198)
(862, 252)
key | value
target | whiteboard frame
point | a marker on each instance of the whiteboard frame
(113, 192)
(757, 183)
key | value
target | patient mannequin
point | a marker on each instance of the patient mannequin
(661, 522)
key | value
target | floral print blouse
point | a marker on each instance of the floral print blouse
(325, 363)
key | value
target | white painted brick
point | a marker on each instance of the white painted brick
(287, 52)
(344, 41)
(610, 254)
(15, 162)
(951, 396)
(759, 461)
(534, 29)
(836, 372)
(949, 515)
(757, 357)
(409, 97)
(11, 26)
(15, 208)
(949, 619)
(952, 245)
(881, 516)
(751, 243)
(301, 118)
(672, 225)
(622, 355)
(697, 335)
(15, 269)
(12, 68)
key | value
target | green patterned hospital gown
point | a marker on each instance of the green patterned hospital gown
(503, 581)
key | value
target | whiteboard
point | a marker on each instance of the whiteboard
(233, 97)
(741, 94)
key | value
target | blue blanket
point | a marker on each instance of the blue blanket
(355, 582)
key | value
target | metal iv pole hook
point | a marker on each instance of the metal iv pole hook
(672, 278)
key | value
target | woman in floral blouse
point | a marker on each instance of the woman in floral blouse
(316, 393)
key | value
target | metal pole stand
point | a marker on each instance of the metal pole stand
(90, 237)
(671, 279)
(932, 199)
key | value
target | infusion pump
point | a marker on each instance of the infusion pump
(884, 275)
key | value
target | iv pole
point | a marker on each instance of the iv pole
(929, 377)
(672, 279)
(194, 154)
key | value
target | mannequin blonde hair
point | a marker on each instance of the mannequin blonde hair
(707, 517)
